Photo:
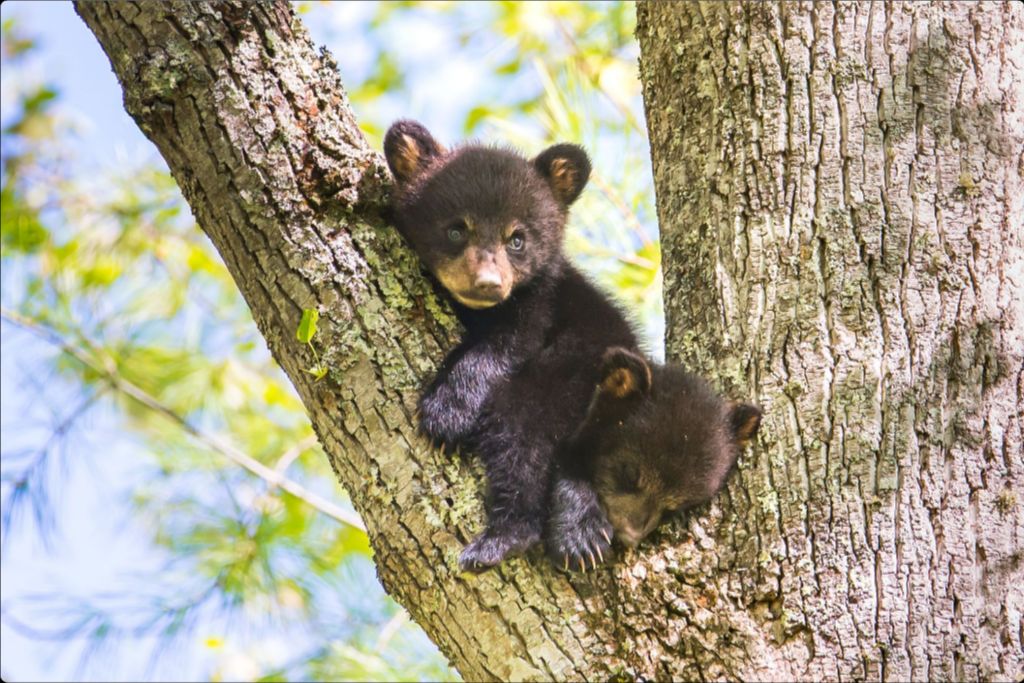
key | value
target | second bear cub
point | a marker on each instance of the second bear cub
(489, 225)
(656, 439)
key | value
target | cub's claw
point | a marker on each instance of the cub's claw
(582, 548)
(578, 530)
(442, 447)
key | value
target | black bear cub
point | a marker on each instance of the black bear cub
(655, 439)
(488, 224)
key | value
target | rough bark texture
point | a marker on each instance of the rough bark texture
(840, 199)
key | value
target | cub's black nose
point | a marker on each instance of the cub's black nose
(487, 281)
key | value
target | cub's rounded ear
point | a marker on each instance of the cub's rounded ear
(566, 168)
(744, 420)
(624, 374)
(409, 147)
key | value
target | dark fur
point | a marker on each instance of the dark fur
(655, 439)
(520, 381)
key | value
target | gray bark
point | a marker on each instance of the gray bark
(879, 510)
(840, 199)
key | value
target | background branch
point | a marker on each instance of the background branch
(272, 476)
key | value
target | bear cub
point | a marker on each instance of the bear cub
(489, 224)
(656, 439)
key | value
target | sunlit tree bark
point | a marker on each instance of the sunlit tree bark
(840, 200)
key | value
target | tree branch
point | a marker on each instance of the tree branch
(274, 477)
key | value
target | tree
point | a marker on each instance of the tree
(256, 130)
(839, 195)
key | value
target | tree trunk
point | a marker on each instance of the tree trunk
(840, 199)
(256, 129)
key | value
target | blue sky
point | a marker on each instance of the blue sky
(92, 550)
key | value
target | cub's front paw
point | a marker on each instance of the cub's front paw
(583, 547)
(579, 535)
(492, 546)
(443, 417)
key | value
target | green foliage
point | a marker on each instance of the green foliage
(304, 333)
(112, 264)
(20, 228)
(307, 326)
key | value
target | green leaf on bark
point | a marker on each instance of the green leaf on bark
(307, 327)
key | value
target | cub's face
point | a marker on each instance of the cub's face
(483, 220)
(632, 491)
(665, 442)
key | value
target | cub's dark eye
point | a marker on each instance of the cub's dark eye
(516, 242)
(627, 479)
(457, 231)
(628, 486)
